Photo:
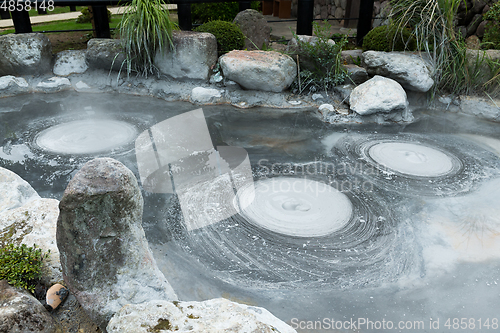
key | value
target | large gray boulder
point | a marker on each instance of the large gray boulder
(410, 70)
(105, 256)
(22, 313)
(378, 95)
(107, 54)
(194, 54)
(23, 54)
(212, 316)
(70, 62)
(255, 28)
(259, 70)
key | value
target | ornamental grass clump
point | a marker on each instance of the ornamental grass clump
(432, 23)
(21, 265)
(146, 29)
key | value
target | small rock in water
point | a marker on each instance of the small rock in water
(204, 95)
(325, 108)
(54, 84)
(80, 85)
(56, 295)
(294, 102)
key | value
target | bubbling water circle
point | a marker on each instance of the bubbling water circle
(86, 136)
(412, 159)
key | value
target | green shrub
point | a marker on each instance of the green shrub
(21, 265)
(491, 38)
(389, 38)
(221, 11)
(85, 16)
(229, 35)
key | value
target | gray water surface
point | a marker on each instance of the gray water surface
(420, 246)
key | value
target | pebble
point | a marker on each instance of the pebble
(56, 295)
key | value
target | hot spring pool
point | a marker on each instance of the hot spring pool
(348, 227)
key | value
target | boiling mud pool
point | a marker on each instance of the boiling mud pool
(360, 227)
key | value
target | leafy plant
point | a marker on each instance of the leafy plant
(21, 265)
(229, 36)
(145, 29)
(223, 11)
(389, 38)
(321, 63)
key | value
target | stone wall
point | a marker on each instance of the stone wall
(325, 9)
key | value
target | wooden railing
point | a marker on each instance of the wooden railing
(305, 11)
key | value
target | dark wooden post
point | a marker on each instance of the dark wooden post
(4, 14)
(22, 22)
(184, 16)
(365, 20)
(100, 21)
(305, 13)
(72, 8)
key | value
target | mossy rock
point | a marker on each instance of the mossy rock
(229, 36)
(389, 38)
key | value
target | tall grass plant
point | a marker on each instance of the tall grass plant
(432, 25)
